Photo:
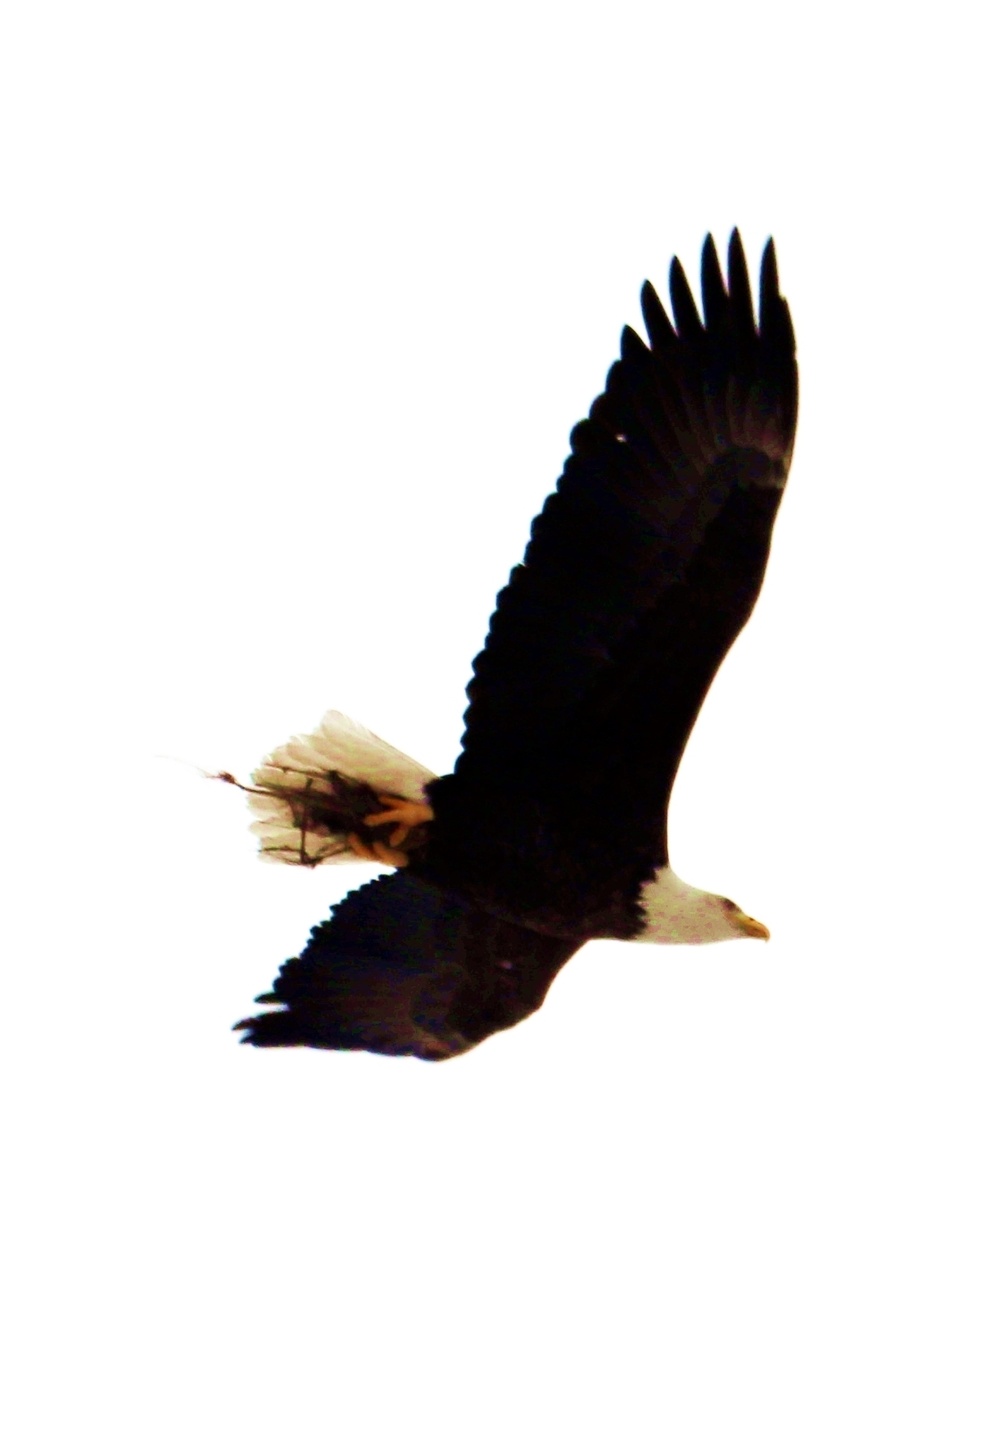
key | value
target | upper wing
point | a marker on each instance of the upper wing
(641, 568)
(408, 970)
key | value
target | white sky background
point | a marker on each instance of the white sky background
(300, 303)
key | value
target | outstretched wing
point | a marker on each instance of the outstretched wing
(641, 569)
(408, 970)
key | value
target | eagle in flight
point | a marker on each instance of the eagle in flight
(642, 567)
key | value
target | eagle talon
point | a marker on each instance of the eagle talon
(400, 811)
(403, 813)
(377, 851)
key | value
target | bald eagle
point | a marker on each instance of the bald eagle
(642, 567)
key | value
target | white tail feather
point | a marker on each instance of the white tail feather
(338, 745)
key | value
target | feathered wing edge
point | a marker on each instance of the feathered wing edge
(406, 969)
(682, 422)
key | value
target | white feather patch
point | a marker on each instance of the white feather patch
(676, 913)
(301, 767)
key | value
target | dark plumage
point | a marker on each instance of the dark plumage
(407, 969)
(641, 569)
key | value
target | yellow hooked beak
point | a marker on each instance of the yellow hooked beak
(748, 926)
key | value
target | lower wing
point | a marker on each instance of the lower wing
(407, 969)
